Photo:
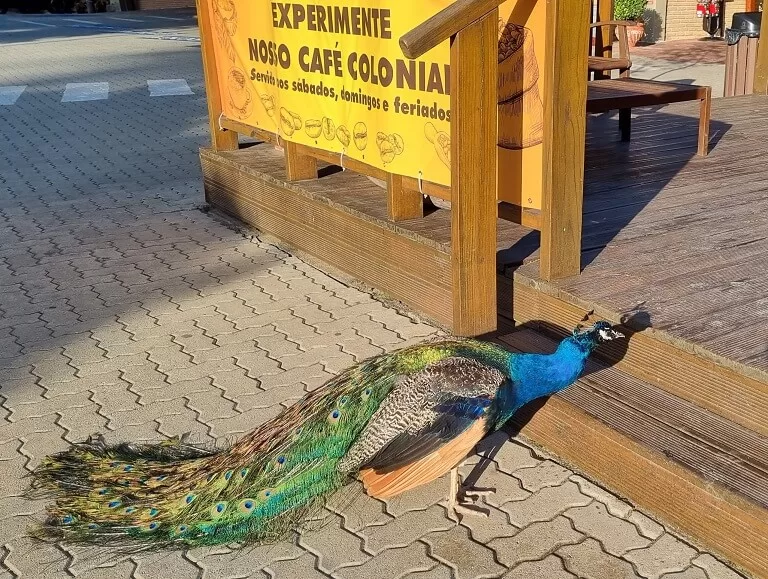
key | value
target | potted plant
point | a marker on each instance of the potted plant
(632, 11)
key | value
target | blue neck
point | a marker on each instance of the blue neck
(537, 375)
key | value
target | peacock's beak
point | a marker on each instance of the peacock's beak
(610, 334)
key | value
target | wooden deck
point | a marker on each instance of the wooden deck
(681, 241)
(675, 246)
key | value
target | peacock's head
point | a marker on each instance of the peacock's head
(595, 334)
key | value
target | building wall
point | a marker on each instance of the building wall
(681, 21)
(158, 4)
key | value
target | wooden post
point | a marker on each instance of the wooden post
(761, 69)
(474, 55)
(604, 34)
(564, 137)
(298, 166)
(221, 140)
(402, 203)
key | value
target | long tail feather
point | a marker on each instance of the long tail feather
(177, 494)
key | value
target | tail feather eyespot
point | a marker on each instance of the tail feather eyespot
(218, 509)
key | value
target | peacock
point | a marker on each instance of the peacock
(395, 421)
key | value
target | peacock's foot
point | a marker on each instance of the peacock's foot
(476, 492)
(459, 503)
(468, 509)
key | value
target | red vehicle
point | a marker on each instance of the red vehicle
(710, 11)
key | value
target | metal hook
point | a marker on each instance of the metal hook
(221, 115)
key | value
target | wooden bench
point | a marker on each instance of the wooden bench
(624, 94)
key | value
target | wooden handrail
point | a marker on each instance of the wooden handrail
(443, 25)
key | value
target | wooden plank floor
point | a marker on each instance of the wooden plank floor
(683, 238)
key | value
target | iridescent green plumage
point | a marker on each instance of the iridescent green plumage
(256, 490)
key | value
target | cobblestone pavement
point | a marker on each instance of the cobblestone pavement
(126, 309)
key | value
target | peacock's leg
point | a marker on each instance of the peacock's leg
(457, 503)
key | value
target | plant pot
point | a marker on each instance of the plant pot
(635, 33)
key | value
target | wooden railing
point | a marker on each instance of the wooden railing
(761, 68)
(564, 134)
(472, 27)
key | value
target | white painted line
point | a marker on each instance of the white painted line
(82, 21)
(126, 19)
(9, 94)
(13, 30)
(85, 91)
(36, 23)
(163, 17)
(168, 87)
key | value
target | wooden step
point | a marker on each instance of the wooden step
(733, 391)
(698, 472)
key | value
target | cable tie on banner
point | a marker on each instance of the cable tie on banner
(341, 159)
(221, 115)
(421, 189)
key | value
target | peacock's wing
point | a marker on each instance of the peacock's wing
(425, 412)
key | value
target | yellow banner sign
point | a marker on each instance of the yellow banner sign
(332, 76)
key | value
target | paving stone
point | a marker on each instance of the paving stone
(535, 541)
(242, 423)
(509, 455)
(236, 385)
(439, 572)
(333, 546)
(185, 422)
(464, 556)
(169, 357)
(666, 555)
(30, 558)
(314, 374)
(615, 506)
(544, 474)
(485, 529)
(588, 560)
(551, 568)
(223, 562)
(714, 568)
(37, 445)
(357, 509)
(328, 355)
(545, 504)
(420, 498)
(647, 527)
(162, 392)
(81, 422)
(115, 397)
(210, 404)
(616, 535)
(305, 566)
(285, 395)
(393, 563)
(485, 475)
(690, 573)
(165, 564)
(197, 371)
(405, 529)
(258, 362)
